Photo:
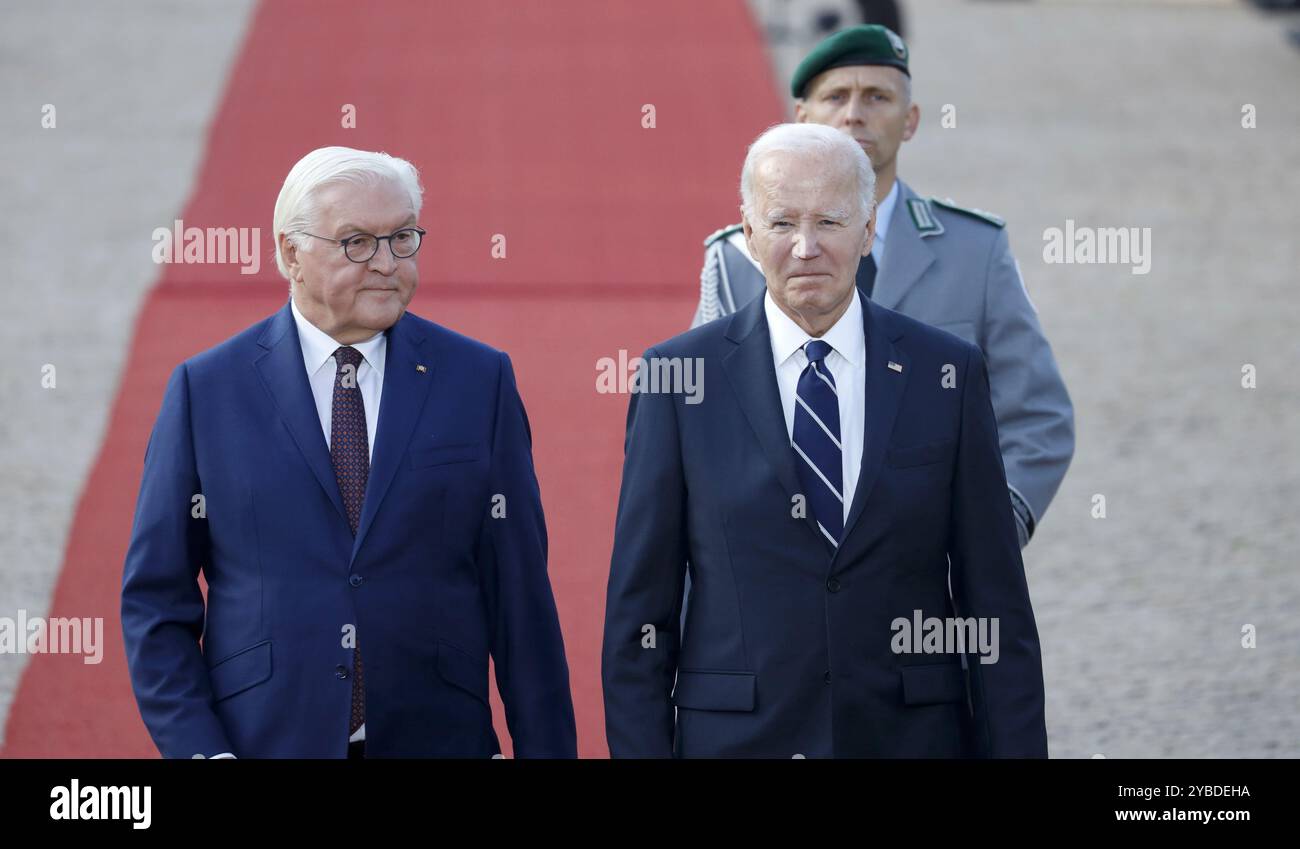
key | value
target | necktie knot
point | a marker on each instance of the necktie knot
(348, 356)
(817, 350)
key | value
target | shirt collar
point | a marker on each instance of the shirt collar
(885, 212)
(846, 336)
(318, 346)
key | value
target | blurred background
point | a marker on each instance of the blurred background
(526, 121)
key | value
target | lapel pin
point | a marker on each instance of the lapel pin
(420, 368)
(895, 366)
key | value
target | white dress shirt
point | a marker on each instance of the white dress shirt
(318, 357)
(884, 212)
(848, 365)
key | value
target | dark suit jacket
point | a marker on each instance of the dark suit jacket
(786, 647)
(432, 582)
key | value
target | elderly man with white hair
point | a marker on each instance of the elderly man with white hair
(838, 499)
(355, 484)
(946, 265)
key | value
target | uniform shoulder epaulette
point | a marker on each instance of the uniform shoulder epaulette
(948, 203)
(723, 233)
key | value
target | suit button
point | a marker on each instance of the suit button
(833, 585)
(827, 676)
(340, 671)
(355, 580)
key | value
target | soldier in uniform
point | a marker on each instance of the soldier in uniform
(932, 260)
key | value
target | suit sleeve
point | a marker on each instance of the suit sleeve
(646, 578)
(1034, 413)
(162, 605)
(527, 644)
(988, 582)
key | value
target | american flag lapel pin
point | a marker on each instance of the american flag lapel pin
(420, 368)
(895, 367)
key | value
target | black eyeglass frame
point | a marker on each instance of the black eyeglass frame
(389, 238)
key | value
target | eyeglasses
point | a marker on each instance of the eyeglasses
(361, 247)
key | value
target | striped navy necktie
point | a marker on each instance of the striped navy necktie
(816, 441)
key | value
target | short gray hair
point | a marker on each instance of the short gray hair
(296, 207)
(826, 142)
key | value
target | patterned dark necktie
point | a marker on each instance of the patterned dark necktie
(817, 441)
(350, 453)
(866, 278)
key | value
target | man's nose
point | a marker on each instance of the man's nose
(855, 113)
(383, 262)
(805, 244)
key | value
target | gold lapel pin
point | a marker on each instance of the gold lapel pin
(420, 368)
(895, 366)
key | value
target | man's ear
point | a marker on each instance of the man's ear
(748, 230)
(289, 251)
(871, 230)
(913, 121)
(800, 113)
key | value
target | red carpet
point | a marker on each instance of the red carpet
(525, 120)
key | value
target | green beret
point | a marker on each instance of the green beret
(868, 44)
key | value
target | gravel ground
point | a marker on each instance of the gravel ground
(80, 202)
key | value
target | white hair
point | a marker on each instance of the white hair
(296, 207)
(820, 140)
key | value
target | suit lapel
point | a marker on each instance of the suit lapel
(907, 256)
(405, 390)
(285, 379)
(883, 396)
(753, 377)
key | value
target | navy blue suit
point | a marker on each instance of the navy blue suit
(433, 582)
(786, 644)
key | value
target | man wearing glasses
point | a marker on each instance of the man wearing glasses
(356, 485)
